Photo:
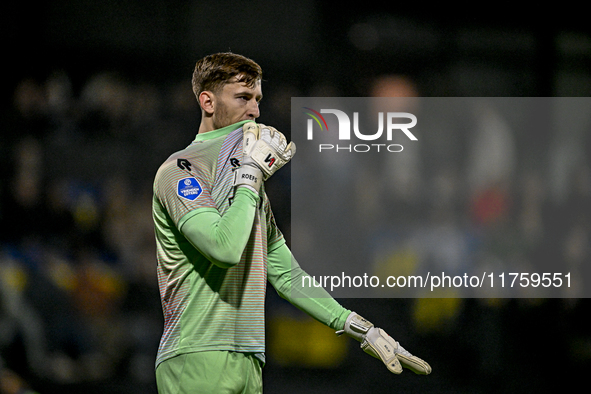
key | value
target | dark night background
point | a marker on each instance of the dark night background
(97, 94)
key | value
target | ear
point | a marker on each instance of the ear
(206, 101)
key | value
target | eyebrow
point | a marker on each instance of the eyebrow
(259, 97)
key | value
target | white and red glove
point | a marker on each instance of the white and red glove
(375, 342)
(264, 151)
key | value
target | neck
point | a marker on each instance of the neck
(206, 124)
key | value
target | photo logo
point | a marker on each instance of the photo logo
(314, 116)
(388, 124)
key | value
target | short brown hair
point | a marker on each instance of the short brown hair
(214, 71)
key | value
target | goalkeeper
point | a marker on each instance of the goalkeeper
(218, 246)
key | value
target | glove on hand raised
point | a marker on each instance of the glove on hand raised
(375, 342)
(264, 151)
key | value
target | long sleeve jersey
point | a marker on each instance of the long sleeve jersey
(217, 246)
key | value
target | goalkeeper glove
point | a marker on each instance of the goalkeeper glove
(375, 342)
(264, 151)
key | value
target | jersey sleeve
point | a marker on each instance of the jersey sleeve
(222, 238)
(285, 275)
(181, 192)
(275, 237)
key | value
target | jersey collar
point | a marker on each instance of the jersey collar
(219, 132)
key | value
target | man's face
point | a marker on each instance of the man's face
(236, 102)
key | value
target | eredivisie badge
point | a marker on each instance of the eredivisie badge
(189, 188)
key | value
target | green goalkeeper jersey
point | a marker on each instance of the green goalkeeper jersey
(208, 306)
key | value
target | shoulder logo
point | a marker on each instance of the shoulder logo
(189, 188)
(183, 164)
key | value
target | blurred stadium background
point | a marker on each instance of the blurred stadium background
(97, 94)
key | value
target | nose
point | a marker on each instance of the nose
(253, 110)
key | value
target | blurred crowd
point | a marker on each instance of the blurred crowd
(496, 185)
(79, 304)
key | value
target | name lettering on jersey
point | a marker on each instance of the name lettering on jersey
(183, 164)
(189, 188)
(234, 162)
